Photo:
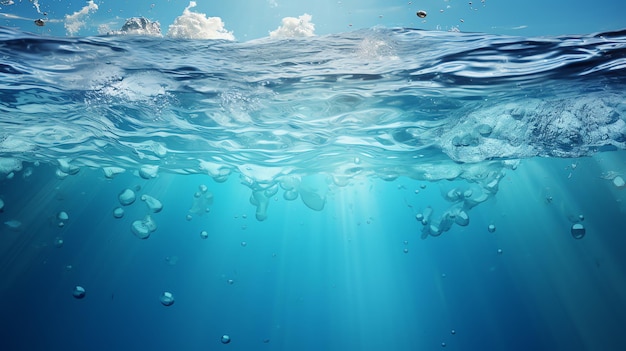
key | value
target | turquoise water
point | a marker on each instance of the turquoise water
(346, 184)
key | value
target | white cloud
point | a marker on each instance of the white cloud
(194, 25)
(138, 26)
(295, 27)
(76, 21)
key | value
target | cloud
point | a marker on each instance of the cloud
(295, 27)
(194, 25)
(138, 26)
(75, 21)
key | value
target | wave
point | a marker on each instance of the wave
(377, 102)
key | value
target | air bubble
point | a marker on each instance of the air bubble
(578, 231)
(167, 299)
(143, 228)
(118, 212)
(79, 292)
(127, 197)
(491, 228)
(148, 171)
(153, 204)
(204, 234)
(619, 182)
(225, 339)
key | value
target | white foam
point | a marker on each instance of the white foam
(295, 27)
(194, 25)
(36, 5)
(76, 21)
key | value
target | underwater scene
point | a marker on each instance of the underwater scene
(370, 187)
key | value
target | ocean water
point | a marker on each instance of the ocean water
(383, 189)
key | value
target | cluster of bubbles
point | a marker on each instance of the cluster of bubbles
(142, 228)
(462, 201)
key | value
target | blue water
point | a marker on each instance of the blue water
(346, 184)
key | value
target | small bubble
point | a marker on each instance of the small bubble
(118, 212)
(188, 217)
(491, 228)
(406, 250)
(406, 242)
(204, 234)
(578, 231)
(443, 344)
(79, 292)
(499, 251)
(58, 242)
(421, 14)
(225, 339)
(452, 331)
(243, 244)
(230, 282)
(167, 299)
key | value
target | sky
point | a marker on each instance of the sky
(244, 20)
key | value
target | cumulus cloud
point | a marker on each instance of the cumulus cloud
(76, 21)
(295, 27)
(194, 25)
(138, 26)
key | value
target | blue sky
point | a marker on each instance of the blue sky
(251, 19)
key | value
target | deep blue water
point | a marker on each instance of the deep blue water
(308, 163)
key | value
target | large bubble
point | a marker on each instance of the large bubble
(127, 197)
(153, 204)
(143, 228)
